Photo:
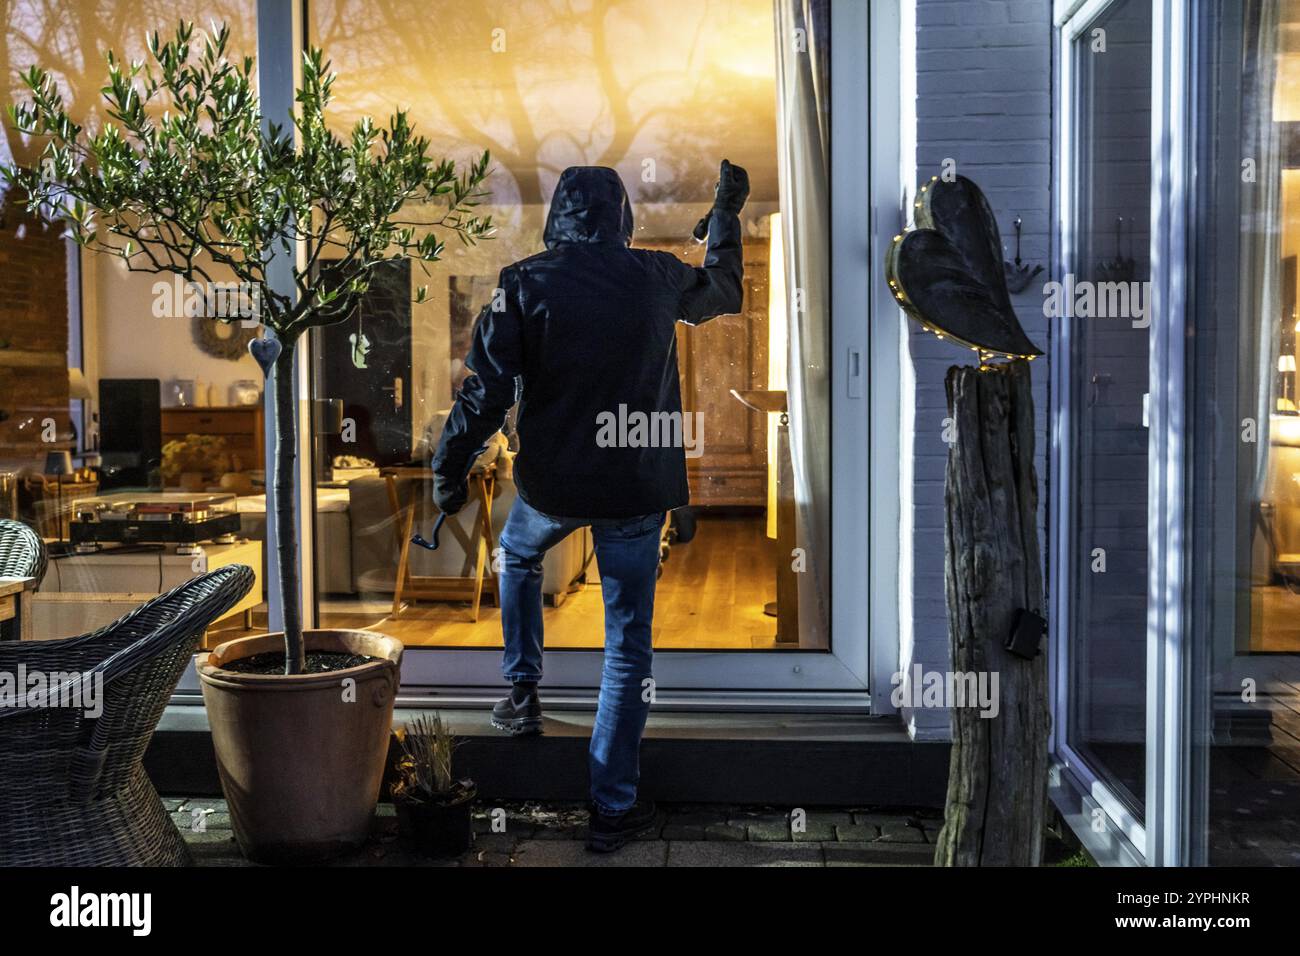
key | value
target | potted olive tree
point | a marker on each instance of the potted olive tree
(182, 178)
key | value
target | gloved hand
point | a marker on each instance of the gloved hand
(448, 494)
(729, 196)
(732, 189)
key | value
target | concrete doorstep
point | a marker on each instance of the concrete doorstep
(544, 835)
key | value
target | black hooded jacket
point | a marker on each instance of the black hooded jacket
(580, 330)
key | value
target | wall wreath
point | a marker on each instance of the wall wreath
(224, 340)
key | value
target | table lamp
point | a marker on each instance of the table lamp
(58, 463)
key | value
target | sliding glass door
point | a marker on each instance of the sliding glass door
(1102, 363)
(1244, 697)
(1177, 701)
(661, 94)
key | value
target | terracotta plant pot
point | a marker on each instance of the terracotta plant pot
(438, 829)
(301, 757)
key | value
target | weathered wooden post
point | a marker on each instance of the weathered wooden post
(997, 781)
(948, 273)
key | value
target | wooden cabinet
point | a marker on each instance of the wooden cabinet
(33, 338)
(240, 426)
(725, 353)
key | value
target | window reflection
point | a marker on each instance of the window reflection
(105, 394)
(660, 92)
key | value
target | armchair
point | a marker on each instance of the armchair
(74, 791)
(22, 551)
(22, 555)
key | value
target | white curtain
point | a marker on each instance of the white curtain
(803, 137)
(1261, 212)
(1260, 301)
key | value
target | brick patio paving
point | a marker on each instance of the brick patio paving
(534, 835)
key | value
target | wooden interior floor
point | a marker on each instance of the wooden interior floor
(1278, 629)
(711, 596)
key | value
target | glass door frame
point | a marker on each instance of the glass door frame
(770, 679)
(866, 369)
(1117, 834)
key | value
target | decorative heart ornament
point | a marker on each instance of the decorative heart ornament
(265, 352)
(947, 272)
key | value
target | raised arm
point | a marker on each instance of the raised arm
(715, 288)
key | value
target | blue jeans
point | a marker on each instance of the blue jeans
(627, 553)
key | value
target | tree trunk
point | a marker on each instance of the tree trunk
(283, 477)
(997, 780)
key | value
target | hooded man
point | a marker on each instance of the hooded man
(579, 335)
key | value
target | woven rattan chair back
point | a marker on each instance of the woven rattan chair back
(73, 790)
(22, 552)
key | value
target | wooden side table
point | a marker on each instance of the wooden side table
(479, 543)
(16, 604)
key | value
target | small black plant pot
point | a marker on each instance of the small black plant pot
(439, 829)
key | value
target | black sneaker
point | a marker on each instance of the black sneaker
(605, 834)
(520, 713)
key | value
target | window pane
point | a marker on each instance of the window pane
(1108, 583)
(661, 93)
(95, 363)
(1246, 451)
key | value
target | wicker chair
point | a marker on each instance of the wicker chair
(22, 552)
(22, 555)
(73, 791)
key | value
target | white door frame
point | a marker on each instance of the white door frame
(1157, 838)
(280, 31)
(1168, 517)
(803, 679)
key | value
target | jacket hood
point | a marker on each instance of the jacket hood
(589, 205)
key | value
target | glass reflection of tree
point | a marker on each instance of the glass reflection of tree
(569, 87)
(70, 37)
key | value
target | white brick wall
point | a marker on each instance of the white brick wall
(983, 99)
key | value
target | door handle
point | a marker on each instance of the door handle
(855, 373)
(396, 389)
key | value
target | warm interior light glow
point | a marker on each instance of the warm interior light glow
(777, 344)
(1285, 430)
(1286, 88)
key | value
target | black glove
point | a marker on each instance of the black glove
(733, 188)
(729, 196)
(449, 495)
